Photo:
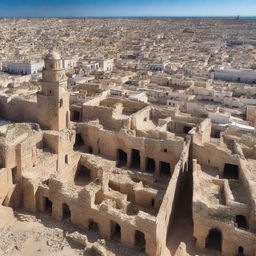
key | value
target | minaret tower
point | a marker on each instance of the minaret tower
(53, 100)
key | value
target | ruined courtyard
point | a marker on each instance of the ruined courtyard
(119, 165)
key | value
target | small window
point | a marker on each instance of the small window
(50, 92)
(66, 159)
(241, 222)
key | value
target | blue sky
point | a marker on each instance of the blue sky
(71, 8)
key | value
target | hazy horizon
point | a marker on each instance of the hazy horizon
(128, 8)
(129, 17)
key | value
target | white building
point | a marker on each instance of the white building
(158, 66)
(235, 75)
(219, 118)
(106, 65)
(23, 68)
(67, 64)
(140, 97)
(117, 91)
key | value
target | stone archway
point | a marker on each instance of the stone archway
(213, 240)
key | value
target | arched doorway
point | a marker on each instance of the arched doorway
(121, 158)
(115, 231)
(140, 240)
(240, 251)
(93, 226)
(66, 213)
(213, 240)
(231, 171)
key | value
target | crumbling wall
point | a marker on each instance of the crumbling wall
(27, 155)
(105, 116)
(18, 110)
(207, 217)
(107, 143)
(141, 118)
(249, 190)
(203, 131)
(215, 156)
(60, 143)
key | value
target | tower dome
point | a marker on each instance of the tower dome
(53, 68)
(53, 55)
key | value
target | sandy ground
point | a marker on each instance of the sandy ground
(28, 236)
(41, 235)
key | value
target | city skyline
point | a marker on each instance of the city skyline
(131, 8)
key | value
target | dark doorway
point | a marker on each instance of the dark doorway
(230, 172)
(66, 159)
(240, 251)
(79, 140)
(165, 169)
(135, 158)
(187, 129)
(214, 240)
(140, 240)
(14, 175)
(93, 226)
(1, 164)
(150, 165)
(217, 134)
(83, 176)
(241, 222)
(76, 116)
(66, 212)
(47, 205)
(115, 231)
(121, 158)
(90, 150)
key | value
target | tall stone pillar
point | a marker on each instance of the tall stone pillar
(157, 171)
(142, 162)
(129, 158)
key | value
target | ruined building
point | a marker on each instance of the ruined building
(119, 166)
